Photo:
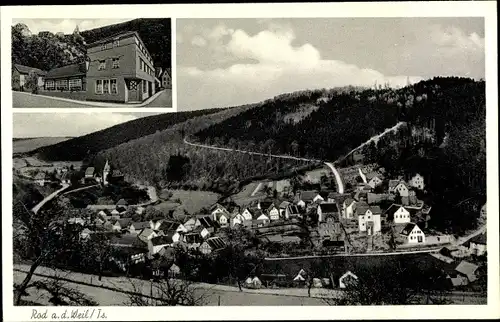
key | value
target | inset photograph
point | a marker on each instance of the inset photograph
(85, 63)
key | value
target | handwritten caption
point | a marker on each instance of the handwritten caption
(74, 314)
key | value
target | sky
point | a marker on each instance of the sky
(66, 26)
(28, 125)
(229, 62)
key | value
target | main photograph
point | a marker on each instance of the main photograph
(312, 162)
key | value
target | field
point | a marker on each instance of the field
(191, 201)
(27, 145)
(27, 166)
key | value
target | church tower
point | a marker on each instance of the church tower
(105, 173)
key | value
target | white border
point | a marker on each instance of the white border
(485, 9)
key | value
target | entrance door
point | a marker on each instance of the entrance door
(419, 238)
(133, 90)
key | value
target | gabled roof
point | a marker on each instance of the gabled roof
(466, 268)
(284, 204)
(408, 229)
(376, 210)
(140, 225)
(329, 207)
(122, 202)
(308, 195)
(124, 222)
(257, 213)
(294, 209)
(265, 204)
(119, 35)
(479, 239)
(26, 69)
(72, 70)
(325, 193)
(392, 209)
(126, 240)
(90, 171)
(145, 232)
(361, 208)
(217, 205)
(372, 175)
(207, 222)
(162, 240)
(393, 183)
(166, 72)
(169, 225)
(216, 243)
(349, 201)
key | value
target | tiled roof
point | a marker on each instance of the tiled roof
(113, 37)
(122, 202)
(207, 222)
(308, 195)
(329, 207)
(466, 268)
(479, 239)
(162, 240)
(284, 204)
(26, 69)
(168, 225)
(392, 209)
(216, 243)
(72, 70)
(375, 210)
(124, 222)
(140, 225)
(408, 229)
(361, 208)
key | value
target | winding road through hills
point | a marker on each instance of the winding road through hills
(338, 178)
(49, 198)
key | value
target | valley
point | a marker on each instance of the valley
(276, 196)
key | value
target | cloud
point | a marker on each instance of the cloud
(198, 41)
(64, 124)
(66, 26)
(279, 67)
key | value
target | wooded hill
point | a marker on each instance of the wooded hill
(79, 148)
(47, 50)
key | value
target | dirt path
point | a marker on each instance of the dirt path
(49, 197)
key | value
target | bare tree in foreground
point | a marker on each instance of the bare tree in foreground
(166, 292)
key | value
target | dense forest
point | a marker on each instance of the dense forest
(79, 148)
(47, 50)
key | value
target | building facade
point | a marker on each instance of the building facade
(69, 78)
(120, 69)
(166, 79)
(20, 74)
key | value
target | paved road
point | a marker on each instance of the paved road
(338, 178)
(27, 100)
(227, 295)
(49, 197)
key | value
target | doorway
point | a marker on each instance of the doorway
(133, 90)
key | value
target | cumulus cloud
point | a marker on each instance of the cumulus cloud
(279, 67)
(198, 41)
(64, 124)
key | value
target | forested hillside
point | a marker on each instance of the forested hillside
(47, 50)
(327, 124)
(79, 148)
(163, 158)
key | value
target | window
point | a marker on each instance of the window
(50, 84)
(116, 43)
(75, 84)
(98, 86)
(116, 62)
(102, 65)
(140, 64)
(144, 86)
(114, 88)
(106, 86)
(62, 84)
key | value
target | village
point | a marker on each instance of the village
(287, 218)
